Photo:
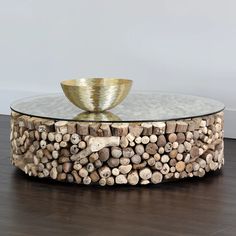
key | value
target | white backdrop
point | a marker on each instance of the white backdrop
(182, 46)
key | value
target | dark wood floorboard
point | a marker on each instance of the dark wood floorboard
(29, 206)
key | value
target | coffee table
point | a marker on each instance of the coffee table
(152, 137)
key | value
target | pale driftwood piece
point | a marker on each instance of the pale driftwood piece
(172, 137)
(76, 177)
(181, 148)
(201, 172)
(113, 162)
(58, 137)
(161, 150)
(145, 173)
(74, 149)
(165, 158)
(110, 181)
(158, 165)
(128, 152)
(138, 140)
(106, 130)
(197, 122)
(180, 137)
(157, 157)
(159, 128)
(147, 129)
(145, 140)
(151, 161)
(51, 136)
(151, 148)
(136, 159)
(53, 173)
(75, 138)
(189, 168)
(168, 147)
(133, 178)
(83, 161)
(66, 137)
(115, 171)
(93, 129)
(67, 167)
(173, 153)
(102, 181)
(125, 169)
(104, 154)
(83, 172)
(139, 149)
(156, 177)
(130, 137)
(153, 138)
(144, 182)
(71, 127)
(170, 127)
(43, 144)
(63, 144)
(132, 144)
(82, 154)
(44, 135)
(187, 158)
(169, 175)
(119, 129)
(116, 152)
(124, 161)
(161, 141)
(49, 125)
(83, 128)
(61, 127)
(191, 125)
(93, 157)
(99, 133)
(121, 179)
(189, 136)
(194, 153)
(188, 146)
(145, 156)
(97, 143)
(94, 176)
(87, 180)
(139, 166)
(165, 169)
(77, 166)
(136, 130)
(124, 142)
(50, 147)
(180, 166)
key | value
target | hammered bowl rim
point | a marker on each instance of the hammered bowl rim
(107, 81)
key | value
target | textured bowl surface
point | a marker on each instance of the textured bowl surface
(96, 94)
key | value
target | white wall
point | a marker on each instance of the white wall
(185, 46)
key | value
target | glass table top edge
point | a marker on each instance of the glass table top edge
(138, 119)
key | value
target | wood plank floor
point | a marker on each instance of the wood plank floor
(29, 206)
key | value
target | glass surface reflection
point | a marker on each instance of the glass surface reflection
(137, 107)
(98, 116)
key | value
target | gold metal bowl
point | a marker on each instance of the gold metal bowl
(96, 94)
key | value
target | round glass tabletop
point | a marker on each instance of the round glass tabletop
(137, 107)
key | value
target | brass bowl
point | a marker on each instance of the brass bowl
(96, 94)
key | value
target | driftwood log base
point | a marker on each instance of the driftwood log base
(117, 153)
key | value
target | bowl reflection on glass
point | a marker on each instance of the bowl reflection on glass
(97, 116)
(96, 94)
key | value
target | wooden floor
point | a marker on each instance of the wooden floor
(29, 206)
